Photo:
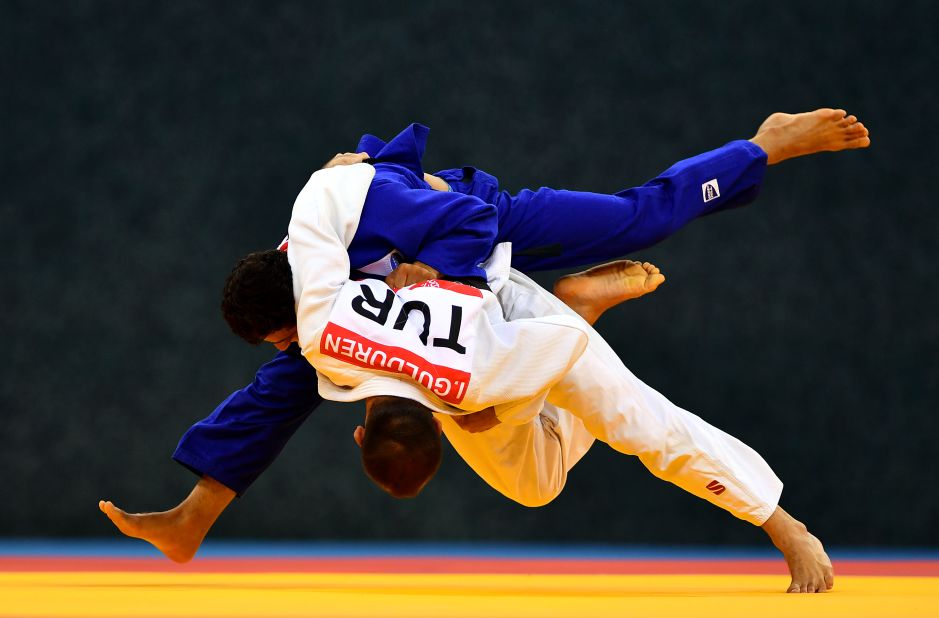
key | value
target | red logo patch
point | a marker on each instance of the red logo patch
(716, 488)
(453, 286)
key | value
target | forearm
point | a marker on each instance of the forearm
(246, 433)
(674, 444)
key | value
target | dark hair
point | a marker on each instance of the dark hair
(258, 295)
(401, 448)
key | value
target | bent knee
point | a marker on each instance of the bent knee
(539, 496)
(536, 502)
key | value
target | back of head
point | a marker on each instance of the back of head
(258, 295)
(401, 448)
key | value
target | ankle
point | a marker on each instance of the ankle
(768, 141)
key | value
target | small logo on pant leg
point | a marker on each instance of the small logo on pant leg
(710, 190)
(716, 488)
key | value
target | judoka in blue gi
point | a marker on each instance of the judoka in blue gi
(246, 432)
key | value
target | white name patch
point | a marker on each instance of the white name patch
(422, 332)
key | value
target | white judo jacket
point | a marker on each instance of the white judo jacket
(445, 345)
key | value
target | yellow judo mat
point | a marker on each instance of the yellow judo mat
(410, 595)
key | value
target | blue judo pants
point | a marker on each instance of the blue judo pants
(548, 229)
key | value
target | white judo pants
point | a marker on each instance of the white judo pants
(600, 398)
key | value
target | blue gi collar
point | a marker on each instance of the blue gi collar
(405, 149)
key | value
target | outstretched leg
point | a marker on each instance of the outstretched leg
(179, 532)
(808, 563)
(785, 136)
(593, 291)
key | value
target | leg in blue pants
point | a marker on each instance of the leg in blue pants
(551, 228)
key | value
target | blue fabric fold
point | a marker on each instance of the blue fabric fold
(370, 144)
(405, 149)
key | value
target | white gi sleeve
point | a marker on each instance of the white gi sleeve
(674, 444)
(325, 217)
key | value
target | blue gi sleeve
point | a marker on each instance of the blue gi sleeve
(450, 231)
(247, 431)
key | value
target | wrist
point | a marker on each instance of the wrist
(428, 267)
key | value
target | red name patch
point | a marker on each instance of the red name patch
(342, 344)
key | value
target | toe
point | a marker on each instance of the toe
(855, 140)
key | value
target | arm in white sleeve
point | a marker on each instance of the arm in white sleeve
(325, 217)
(674, 444)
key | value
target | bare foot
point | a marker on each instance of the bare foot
(808, 563)
(593, 291)
(785, 136)
(169, 531)
(179, 532)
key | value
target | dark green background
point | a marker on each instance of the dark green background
(145, 146)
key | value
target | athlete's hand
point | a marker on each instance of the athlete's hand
(409, 274)
(346, 158)
(477, 422)
(436, 183)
